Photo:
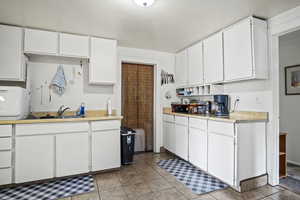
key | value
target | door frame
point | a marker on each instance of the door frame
(279, 25)
(157, 111)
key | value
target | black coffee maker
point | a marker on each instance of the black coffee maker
(222, 103)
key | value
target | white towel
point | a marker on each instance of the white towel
(59, 81)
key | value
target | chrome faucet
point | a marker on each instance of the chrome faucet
(61, 110)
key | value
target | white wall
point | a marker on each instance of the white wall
(41, 71)
(289, 54)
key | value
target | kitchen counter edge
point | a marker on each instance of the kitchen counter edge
(260, 117)
(35, 121)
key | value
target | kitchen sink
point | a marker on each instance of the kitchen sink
(68, 117)
(60, 117)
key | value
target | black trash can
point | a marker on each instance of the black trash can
(127, 145)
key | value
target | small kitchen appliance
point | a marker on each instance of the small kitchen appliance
(14, 103)
(221, 103)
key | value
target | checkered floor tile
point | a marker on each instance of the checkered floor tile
(49, 191)
(198, 181)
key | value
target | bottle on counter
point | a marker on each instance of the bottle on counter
(109, 108)
(81, 111)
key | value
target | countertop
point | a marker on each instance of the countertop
(91, 116)
(236, 117)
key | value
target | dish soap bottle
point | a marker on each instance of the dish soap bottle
(109, 109)
(82, 110)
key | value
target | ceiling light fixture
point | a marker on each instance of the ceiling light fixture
(144, 3)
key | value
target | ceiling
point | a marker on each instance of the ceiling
(169, 25)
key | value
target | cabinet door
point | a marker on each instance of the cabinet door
(41, 42)
(170, 136)
(181, 141)
(238, 51)
(103, 61)
(105, 150)
(5, 176)
(221, 157)
(195, 57)
(72, 154)
(12, 67)
(165, 135)
(198, 148)
(34, 158)
(181, 68)
(213, 59)
(74, 45)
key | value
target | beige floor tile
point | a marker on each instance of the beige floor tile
(108, 181)
(252, 195)
(158, 184)
(137, 189)
(146, 196)
(67, 198)
(285, 195)
(169, 194)
(87, 196)
(227, 194)
(205, 197)
(268, 190)
(116, 193)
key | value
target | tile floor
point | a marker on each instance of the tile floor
(293, 170)
(144, 180)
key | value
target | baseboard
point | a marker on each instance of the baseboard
(292, 162)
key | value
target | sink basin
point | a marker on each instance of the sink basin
(60, 117)
(69, 117)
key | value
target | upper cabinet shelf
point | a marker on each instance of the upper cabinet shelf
(236, 53)
(40, 42)
(245, 50)
(74, 45)
(102, 53)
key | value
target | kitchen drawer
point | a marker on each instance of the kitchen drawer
(5, 130)
(51, 128)
(106, 125)
(5, 143)
(168, 118)
(5, 176)
(198, 123)
(181, 120)
(5, 159)
(223, 128)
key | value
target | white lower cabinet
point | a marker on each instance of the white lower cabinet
(169, 136)
(198, 147)
(34, 158)
(72, 154)
(5, 176)
(181, 141)
(221, 157)
(105, 149)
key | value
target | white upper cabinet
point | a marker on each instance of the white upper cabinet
(195, 61)
(74, 45)
(12, 67)
(181, 68)
(103, 61)
(213, 59)
(41, 42)
(245, 50)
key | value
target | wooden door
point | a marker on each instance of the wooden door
(145, 103)
(137, 99)
(129, 95)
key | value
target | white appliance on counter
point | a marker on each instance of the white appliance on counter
(14, 103)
